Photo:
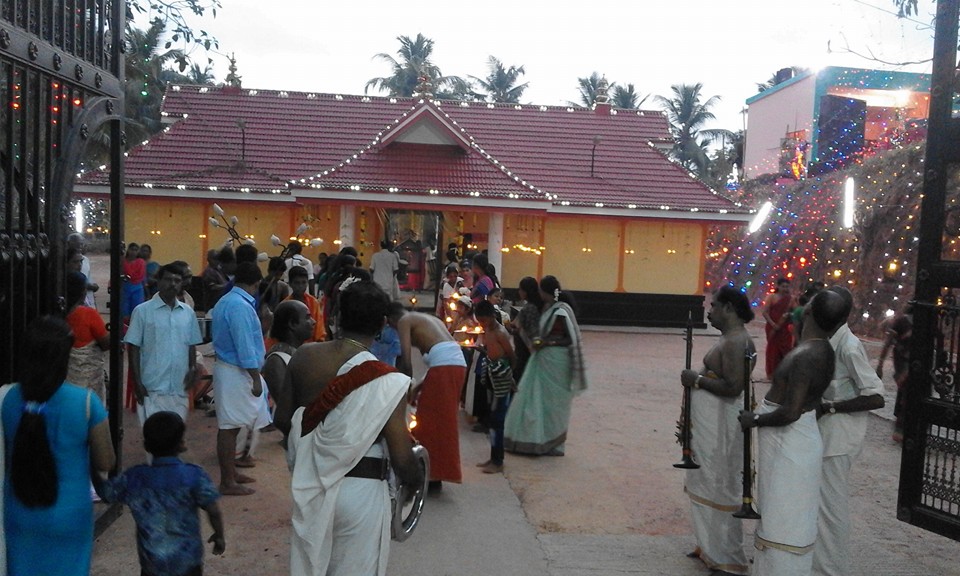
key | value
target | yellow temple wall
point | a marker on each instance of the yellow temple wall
(586, 254)
(173, 228)
(663, 257)
(522, 239)
(179, 229)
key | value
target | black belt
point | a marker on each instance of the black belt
(371, 468)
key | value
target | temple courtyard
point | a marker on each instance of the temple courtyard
(614, 505)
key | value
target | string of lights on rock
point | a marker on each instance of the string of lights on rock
(804, 238)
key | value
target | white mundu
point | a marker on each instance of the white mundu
(341, 526)
(714, 489)
(788, 495)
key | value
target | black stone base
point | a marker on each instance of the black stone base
(618, 309)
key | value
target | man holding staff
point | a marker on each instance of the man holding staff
(790, 448)
(715, 400)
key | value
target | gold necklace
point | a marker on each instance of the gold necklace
(355, 343)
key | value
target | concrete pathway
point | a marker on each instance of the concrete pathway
(613, 506)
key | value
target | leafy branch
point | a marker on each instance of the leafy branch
(172, 15)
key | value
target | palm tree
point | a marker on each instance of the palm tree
(200, 76)
(588, 88)
(687, 115)
(414, 63)
(147, 75)
(500, 84)
(627, 97)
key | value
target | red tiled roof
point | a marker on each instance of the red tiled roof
(295, 140)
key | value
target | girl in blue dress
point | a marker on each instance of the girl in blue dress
(53, 432)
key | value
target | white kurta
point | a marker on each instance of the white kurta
(342, 525)
(715, 489)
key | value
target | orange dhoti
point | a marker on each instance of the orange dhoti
(437, 427)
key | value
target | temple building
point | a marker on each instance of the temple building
(585, 194)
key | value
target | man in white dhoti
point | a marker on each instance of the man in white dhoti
(715, 489)
(384, 265)
(854, 390)
(347, 430)
(237, 384)
(162, 340)
(788, 474)
(79, 243)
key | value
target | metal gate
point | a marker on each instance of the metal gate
(61, 78)
(929, 494)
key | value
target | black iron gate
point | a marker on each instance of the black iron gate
(929, 494)
(61, 78)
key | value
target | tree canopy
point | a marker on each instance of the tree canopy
(627, 97)
(172, 16)
(500, 85)
(588, 88)
(687, 114)
(413, 63)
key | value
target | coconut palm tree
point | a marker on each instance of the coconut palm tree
(202, 76)
(145, 67)
(147, 73)
(687, 115)
(588, 88)
(500, 85)
(627, 97)
(413, 63)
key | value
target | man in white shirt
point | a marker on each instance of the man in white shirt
(299, 259)
(384, 266)
(79, 243)
(843, 412)
(162, 341)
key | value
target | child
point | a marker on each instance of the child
(163, 498)
(496, 298)
(387, 345)
(499, 377)
(451, 284)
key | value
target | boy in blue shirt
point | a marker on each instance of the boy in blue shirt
(387, 345)
(163, 498)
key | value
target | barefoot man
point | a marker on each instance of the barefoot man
(438, 397)
(790, 454)
(715, 489)
(349, 427)
(237, 384)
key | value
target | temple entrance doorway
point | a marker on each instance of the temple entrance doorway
(415, 236)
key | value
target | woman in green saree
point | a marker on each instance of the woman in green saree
(538, 417)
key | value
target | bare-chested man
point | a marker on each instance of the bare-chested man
(788, 476)
(350, 416)
(438, 397)
(292, 326)
(499, 377)
(715, 489)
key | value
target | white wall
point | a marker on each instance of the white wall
(770, 117)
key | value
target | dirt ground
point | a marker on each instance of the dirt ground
(616, 479)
